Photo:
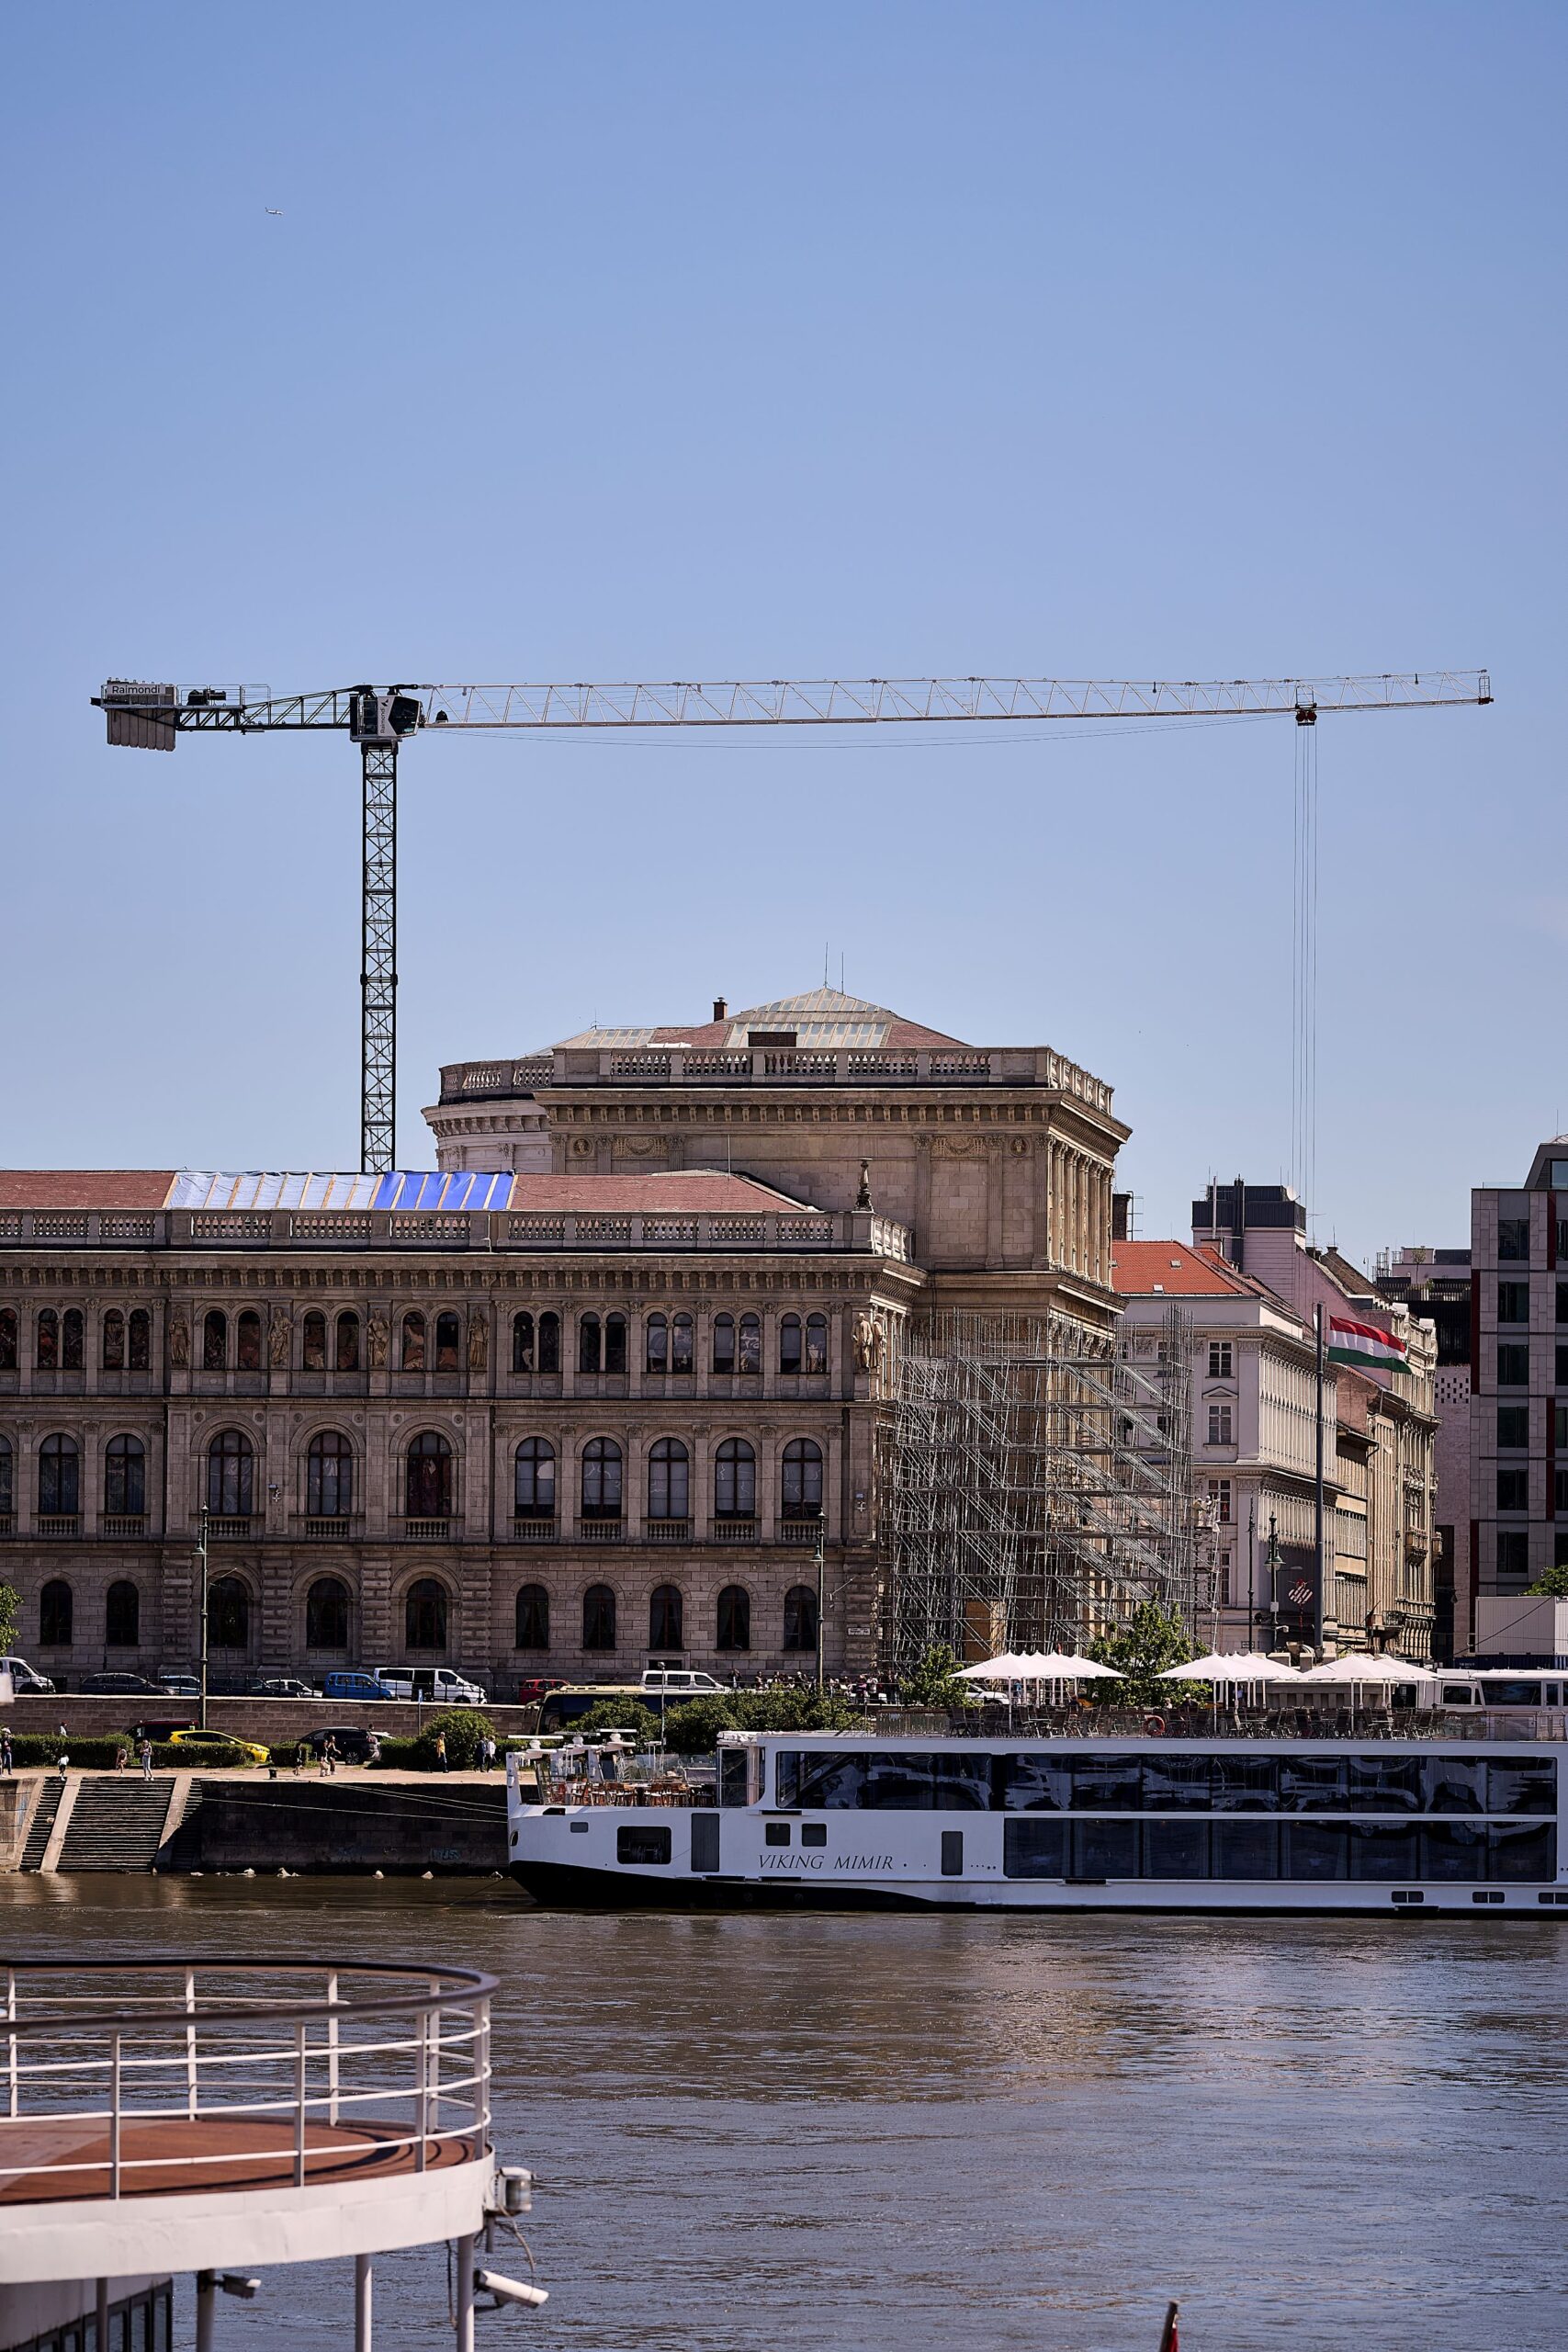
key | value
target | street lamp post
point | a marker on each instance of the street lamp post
(201, 1556)
(1271, 1562)
(821, 1602)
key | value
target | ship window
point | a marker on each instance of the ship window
(815, 1782)
(642, 1846)
(1107, 1784)
(1034, 1848)
(1459, 1694)
(1453, 1849)
(814, 1833)
(1176, 1849)
(1515, 1853)
(897, 1783)
(1246, 1850)
(1105, 1850)
(962, 1784)
(1514, 1694)
(1521, 1784)
(1175, 1781)
(1454, 1784)
(953, 1853)
(732, 1776)
(1385, 1784)
(1312, 1784)
(777, 1833)
(1380, 1852)
(1316, 1849)
(1244, 1784)
(1035, 1784)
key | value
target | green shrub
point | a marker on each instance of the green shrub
(30, 1749)
(404, 1755)
(621, 1714)
(462, 1728)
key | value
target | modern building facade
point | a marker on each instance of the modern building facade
(596, 1397)
(1435, 1286)
(1519, 1372)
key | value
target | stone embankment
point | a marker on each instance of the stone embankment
(354, 1820)
(270, 1719)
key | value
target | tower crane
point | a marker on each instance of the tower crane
(380, 718)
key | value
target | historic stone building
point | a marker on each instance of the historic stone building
(595, 1394)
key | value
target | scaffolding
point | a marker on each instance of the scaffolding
(1036, 1484)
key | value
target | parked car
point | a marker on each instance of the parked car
(280, 1686)
(26, 1677)
(533, 1687)
(668, 1681)
(355, 1686)
(352, 1741)
(437, 1683)
(217, 1747)
(179, 1686)
(121, 1686)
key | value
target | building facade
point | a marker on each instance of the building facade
(1435, 1286)
(607, 1392)
(1518, 1429)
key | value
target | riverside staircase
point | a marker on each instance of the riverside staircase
(117, 1824)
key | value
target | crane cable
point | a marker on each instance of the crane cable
(1304, 969)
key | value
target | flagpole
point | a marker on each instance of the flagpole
(1317, 1499)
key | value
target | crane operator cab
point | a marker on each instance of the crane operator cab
(375, 718)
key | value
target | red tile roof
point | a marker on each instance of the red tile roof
(682, 1191)
(85, 1188)
(1139, 1269)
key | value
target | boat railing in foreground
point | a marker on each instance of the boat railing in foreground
(125, 2078)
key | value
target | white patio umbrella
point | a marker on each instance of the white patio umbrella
(1231, 1666)
(1056, 1666)
(1361, 1665)
(1008, 1668)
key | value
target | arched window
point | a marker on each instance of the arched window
(125, 1475)
(113, 1341)
(228, 1614)
(802, 1497)
(789, 1344)
(414, 1343)
(349, 1343)
(425, 1615)
(669, 1480)
(522, 1343)
(329, 1476)
(817, 1343)
(122, 1615)
(231, 1475)
(7, 1490)
(680, 1343)
(723, 1343)
(427, 1491)
(326, 1615)
(448, 1343)
(47, 1354)
(656, 1339)
(588, 1350)
(735, 1480)
(734, 1618)
(248, 1341)
(549, 1343)
(598, 1618)
(664, 1614)
(7, 1338)
(140, 1339)
(601, 1479)
(71, 1339)
(751, 1363)
(54, 1612)
(214, 1341)
(535, 1476)
(615, 1343)
(313, 1342)
(59, 1477)
(800, 1618)
(533, 1618)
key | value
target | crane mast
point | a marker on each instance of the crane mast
(379, 719)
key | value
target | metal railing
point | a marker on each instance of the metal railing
(124, 2078)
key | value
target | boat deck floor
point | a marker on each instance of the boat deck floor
(43, 2161)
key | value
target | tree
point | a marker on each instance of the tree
(462, 1728)
(1153, 1640)
(934, 1682)
(10, 1610)
(1553, 1585)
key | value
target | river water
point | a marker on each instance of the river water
(907, 2135)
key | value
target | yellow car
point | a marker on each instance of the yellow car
(219, 1747)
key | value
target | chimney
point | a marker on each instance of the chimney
(1121, 1216)
(720, 1009)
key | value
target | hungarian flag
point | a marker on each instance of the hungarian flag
(1362, 1345)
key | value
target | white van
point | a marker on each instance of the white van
(437, 1684)
(672, 1681)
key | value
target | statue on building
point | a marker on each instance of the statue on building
(378, 1334)
(478, 1343)
(863, 1198)
(179, 1342)
(868, 1343)
(277, 1339)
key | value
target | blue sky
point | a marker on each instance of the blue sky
(617, 341)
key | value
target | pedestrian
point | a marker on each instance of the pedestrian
(121, 1757)
(486, 1753)
(6, 1754)
(146, 1758)
(441, 1750)
(64, 1759)
(301, 1757)
(373, 1747)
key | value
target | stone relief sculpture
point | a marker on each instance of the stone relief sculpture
(378, 1334)
(478, 1343)
(179, 1342)
(278, 1340)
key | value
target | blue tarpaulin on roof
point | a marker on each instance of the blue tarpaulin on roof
(416, 1188)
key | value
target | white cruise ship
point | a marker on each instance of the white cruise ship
(1245, 1824)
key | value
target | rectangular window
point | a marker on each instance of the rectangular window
(776, 1832)
(1521, 1853)
(1513, 1302)
(1522, 1785)
(1514, 1239)
(953, 1853)
(1453, 1849)
(1513, 1490)
(1220, 1496)
(1034, 1848)
(1105, 1850)
(1219, 1359)
(1562, 1302)
(1219, 1425)
(1246, 1850)
(1560, 1491)
(643, 1846)
(1107, 1784)
(1513, 1425)
(1178, 1782)
(1385, 1783)
(1317, 1850)
(962, 1784)
(1512, 1560)
(1383, 1851)
(814, 1833)
(1513, 1365)
(1314, 1785)
(1454, 1784)
(816, 1782)
(1563, 1367)
(1245, 1784)
(1033, 1783)
(705, 1841)
(1175, 1849)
